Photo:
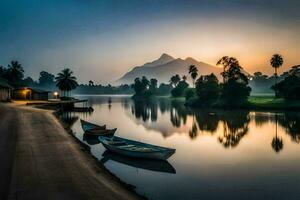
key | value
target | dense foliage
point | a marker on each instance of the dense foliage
(289, 87)
(208, 88)
(180, 88)
(235, 90)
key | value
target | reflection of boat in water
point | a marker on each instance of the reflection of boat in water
(94, 129)
(106, 132)
(136, 149)
(91, 139)
(153, 165)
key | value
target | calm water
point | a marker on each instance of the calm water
(219, 155)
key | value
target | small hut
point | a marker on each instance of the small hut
(28, 93)
(5, 90)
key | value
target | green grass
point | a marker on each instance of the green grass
(270, 102)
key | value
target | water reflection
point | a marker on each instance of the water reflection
(152, 165)
(91, 139)
(212, 147)
(69, 118)
(234, 124)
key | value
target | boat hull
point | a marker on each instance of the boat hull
(87, 126)
(162, 154)
(106, 132)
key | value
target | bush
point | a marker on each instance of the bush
(208, 89)
(179, 90)
(289, 88)
(190, 93)
(235, 93)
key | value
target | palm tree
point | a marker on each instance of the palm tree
(276, 62)
(193, 71)
(227, 61)
(65, 81)
(16, 72)
(184, 77)
(175, 80)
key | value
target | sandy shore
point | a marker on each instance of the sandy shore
(40, 160)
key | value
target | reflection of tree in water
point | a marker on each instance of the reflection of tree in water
(194, 130)
(69, 118)
(178, 114)
(277, 143)
(261, 118)
(207, 121)
(291, 122)
(164, 105)
(235, 122)
(235, 127)
(145, 110)
(109, 103)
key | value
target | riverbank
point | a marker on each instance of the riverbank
(42, 161)
(272, 103)
(266, 103)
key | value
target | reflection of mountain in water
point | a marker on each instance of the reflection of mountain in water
(169, 117)
(148, 164)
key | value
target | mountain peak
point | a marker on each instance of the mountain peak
(165, 56)
(191, 60)
(163, 59)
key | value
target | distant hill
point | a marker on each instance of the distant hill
(165, 67)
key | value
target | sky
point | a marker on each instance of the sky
(100, 40)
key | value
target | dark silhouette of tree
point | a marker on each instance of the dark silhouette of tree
(289, 87)
(184, 77)
(235, 90)
(207, 89)
(65, 81)
(193, 71)
(91, 83)
(16, 73)
(46, 80)
(180, 88)
(276, 62)
(226, 62)
(164, 89)
(153, 86)
(175, 80)
(141, 88)
(29, 82)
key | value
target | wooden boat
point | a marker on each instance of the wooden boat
(106, 132)
(94, 129)
(87, 126)
(135, 149)
(147, 164)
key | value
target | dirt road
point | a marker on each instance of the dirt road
(41, 161)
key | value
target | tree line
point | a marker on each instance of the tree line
(65, 80)
(232, 91)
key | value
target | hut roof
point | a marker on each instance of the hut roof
(36, 90)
